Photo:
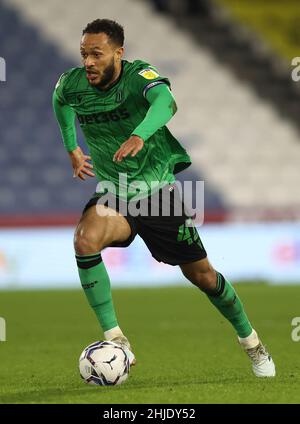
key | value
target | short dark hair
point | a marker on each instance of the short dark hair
(111, 28)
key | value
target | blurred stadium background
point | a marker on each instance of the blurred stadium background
(230, 67)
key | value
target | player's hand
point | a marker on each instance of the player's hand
(80, 164)
(131, 146)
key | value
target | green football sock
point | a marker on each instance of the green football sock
(226, 300)
(96, 285)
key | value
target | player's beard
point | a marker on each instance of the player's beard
(107, 76)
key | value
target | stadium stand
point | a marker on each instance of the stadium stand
(274, 21)
(35, 178)
(246, 150)
(268, 134)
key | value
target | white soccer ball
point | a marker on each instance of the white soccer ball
(104, 363)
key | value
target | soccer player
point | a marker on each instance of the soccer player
(123, 108)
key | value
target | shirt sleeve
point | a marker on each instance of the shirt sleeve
(162, 108)
(66, 120)
(145, 78)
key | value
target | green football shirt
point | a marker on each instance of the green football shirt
(108, 118)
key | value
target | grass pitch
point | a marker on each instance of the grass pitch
(186, 352)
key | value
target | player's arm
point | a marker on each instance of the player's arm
(66, 120)
(162, 108)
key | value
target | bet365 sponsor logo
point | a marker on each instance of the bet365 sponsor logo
(296, 330)
(115, 115)
(2, 330)
(2, 69)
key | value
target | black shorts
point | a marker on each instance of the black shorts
(168, 232)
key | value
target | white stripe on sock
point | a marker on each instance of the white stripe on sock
(112, 333)
(250, 341)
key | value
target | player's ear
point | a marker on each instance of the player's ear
(119, 52)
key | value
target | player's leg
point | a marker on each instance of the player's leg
(98, 228)
(175, 240)
(224, 297)
(220, 292)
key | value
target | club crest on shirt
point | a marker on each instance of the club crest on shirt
(119, 96)
(148, 74)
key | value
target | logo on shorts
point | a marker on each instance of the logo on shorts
(187, 232)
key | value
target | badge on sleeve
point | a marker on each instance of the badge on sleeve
(149, 74)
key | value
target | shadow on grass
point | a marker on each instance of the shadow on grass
(49, 395)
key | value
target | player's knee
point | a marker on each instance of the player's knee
(206, 280)
(87, 242)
